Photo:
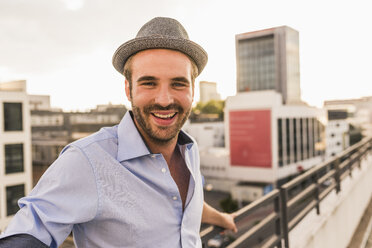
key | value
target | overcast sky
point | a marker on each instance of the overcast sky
(63, 48)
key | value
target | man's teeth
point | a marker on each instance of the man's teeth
(164, 116)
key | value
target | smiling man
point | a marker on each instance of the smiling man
(137, 184)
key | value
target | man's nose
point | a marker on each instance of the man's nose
(164, 97)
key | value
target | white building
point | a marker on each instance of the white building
(266, 143)
(362, 112)
(337, 130)
(208, 91)
(207, 134)
(39, 102)
(15, 145)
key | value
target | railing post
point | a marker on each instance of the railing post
(350, 164)
(278, 221)
(337, 175)
(284, 199)
(362, 156)
(205, 244)
(317, 190)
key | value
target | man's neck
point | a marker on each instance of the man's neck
(166, 149)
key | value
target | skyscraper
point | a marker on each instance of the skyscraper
(269, 60)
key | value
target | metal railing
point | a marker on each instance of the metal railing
(267, 221)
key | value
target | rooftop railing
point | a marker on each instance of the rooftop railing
(267, 221)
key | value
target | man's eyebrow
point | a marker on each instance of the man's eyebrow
(181, 79)
(147, 78)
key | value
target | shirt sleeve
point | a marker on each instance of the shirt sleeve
(21, 241)
(65, 195)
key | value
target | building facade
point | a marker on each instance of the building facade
(207, 134)
(337, 131)
(266, 144)
(360, 112)
(15, 148)
(208, 91)
(269, 60)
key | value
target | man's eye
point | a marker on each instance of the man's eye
(179, 84)
(148, 84)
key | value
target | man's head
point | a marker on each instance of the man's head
(161, 92)
(160, 66)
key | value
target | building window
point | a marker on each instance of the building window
(301, 140)
(288, 140)
(308, 145)
(256, 64)
(338, 143)
(12, 116)
(313, 121)
(13, 194)
(280, 143)
(13, 158)
(295, 137)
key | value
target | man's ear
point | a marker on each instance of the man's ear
(127, 90)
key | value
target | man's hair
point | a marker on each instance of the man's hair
(128, 71)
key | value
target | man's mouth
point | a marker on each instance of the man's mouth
(164, 116)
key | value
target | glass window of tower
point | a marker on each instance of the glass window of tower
(256, 64)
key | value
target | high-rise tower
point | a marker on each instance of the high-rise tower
(269, 60)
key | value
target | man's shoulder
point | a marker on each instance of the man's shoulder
(104, 138)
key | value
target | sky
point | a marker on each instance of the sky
(63, 48)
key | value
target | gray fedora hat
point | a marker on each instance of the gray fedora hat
(161, 32)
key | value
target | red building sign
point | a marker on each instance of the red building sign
(250, 138)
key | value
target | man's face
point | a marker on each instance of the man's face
(161, 94)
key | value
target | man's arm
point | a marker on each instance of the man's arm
(21, 241)
(66, 194)
(214, 217)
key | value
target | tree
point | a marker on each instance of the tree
(212, 107)
(229, 205)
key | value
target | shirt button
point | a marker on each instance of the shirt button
(174, 198)
(163, 170)
(153, 156)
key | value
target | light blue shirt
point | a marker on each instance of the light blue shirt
(112, 192)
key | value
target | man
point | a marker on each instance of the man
(137, 184)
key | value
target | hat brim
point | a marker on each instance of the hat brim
(129, 48)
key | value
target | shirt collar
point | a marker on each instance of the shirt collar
(131, 144)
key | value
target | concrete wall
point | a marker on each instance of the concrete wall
(340, 213)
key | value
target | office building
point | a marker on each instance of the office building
(269, 60)
(15, 148)
(267, 143)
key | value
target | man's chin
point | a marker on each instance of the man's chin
(163, 135)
